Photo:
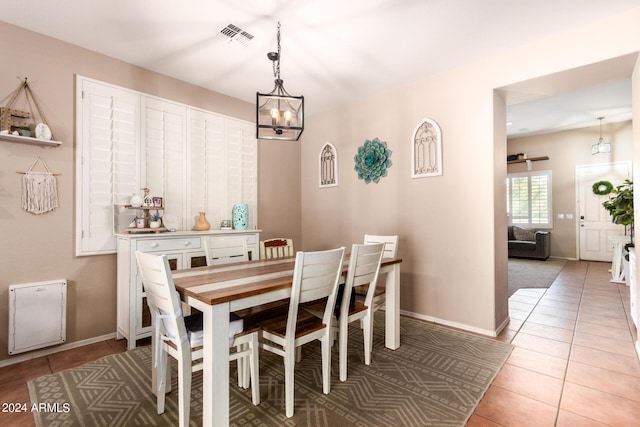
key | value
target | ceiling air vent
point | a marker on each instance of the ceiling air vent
(235, 33)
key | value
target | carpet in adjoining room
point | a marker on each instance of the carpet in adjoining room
(533, 273)
(436, 378)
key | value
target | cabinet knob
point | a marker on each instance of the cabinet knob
(187, 243)
(154, 245)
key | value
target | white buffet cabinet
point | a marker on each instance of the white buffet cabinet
(184, 249)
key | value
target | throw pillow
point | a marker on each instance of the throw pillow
(524, 234)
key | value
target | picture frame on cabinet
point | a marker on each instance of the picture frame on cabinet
(157, 202)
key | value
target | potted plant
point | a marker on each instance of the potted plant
(620, 207)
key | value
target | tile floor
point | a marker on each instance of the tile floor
(574, 362)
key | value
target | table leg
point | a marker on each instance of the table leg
(392, 309)
(215, 375)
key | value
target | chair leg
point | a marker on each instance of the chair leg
(289, 365)
(368, 337)
(184, 391)
(254, 364)
(342, 349)
(242, 380)
(162, 381)
(298, 354)
(326, 362)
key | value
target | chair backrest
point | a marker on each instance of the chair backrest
(162, 297)
(315, 276)
(224, 250)
(276, 248)
(364, 267)
(390, 244)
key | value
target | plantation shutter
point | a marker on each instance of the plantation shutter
(109, 162)
(164, 144)
(242, 167)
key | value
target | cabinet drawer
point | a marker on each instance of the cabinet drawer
(252, 239)
(162, 245)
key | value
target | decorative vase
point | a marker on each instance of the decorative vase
(136, 200)
(202, 224)
(240, 216)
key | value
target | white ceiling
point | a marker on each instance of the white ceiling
(333, 51)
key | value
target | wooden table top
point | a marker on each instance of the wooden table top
(228, 282)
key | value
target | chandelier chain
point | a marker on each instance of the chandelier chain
(276, 63)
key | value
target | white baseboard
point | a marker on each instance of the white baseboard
(51, 350)
(456, 325)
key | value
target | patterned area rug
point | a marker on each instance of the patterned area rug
(436, 378)
(533, 273)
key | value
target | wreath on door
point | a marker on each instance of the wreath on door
(602, 188)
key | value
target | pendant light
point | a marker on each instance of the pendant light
(279, 116)
(601, 146)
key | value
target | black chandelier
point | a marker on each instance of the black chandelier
(279, 115)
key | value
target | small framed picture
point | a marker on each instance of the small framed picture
(157, 202)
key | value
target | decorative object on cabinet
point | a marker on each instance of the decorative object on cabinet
(14, 128)
(328, 165)
(426, 150)
(184, 249)
(157, 202)
(279, 116)
(225, 224)
(142, 224)
(136, 200)
(147, 200)
(202, 224)
(372, 160)
(240, 216)
(39, 189)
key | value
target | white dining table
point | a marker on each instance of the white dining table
(219, 290)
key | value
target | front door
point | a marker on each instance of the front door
(594, 221)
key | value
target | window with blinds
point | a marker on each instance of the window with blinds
(529, 196)
(197, 161)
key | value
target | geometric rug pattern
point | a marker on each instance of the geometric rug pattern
(436, 378)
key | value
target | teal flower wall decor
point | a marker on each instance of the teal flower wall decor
(372, 160)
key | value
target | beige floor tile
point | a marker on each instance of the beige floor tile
(478, 421)
(545, 319)
(597, 405)
(622, 385)
(538, 362)
(557, 312)
(511, 409)
(612, 345)
(529, 383)
(606, 360)
(542, 345)
(569, 419)
(545, 331)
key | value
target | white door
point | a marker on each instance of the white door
(594, 221)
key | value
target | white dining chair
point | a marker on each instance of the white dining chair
(364, 268)
(390, 251)
(276, 248)
(181, 337)
(315, 276)
(225, 250)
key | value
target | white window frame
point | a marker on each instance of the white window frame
(529, 219)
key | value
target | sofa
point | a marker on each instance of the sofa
(528, 243)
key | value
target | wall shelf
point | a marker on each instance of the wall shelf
(29, 140)
(533, 159)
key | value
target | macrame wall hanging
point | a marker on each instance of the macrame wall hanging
(39, 189)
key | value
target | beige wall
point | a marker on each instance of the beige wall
(41, 247)
(566, 150)
(450, 227)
